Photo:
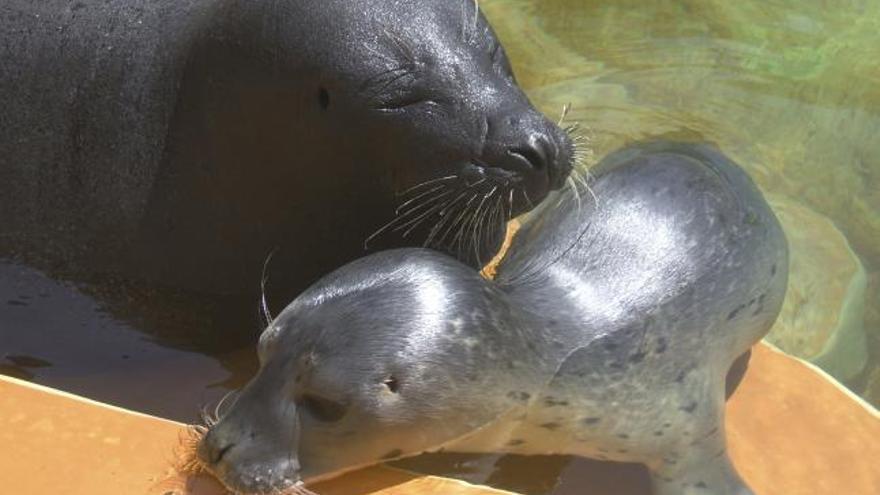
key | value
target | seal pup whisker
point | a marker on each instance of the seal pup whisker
(208, 420)
(186, 460)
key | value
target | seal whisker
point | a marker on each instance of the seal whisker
(403, 47)
(578, 176)
(528, 199)
(499, 206)
(510, 201)
(394, 223)
(461, 210)
(413, 224)
(264, 306)
(300, 489)
(468, 30)
(475, 231)
(464, 218)
(369, 85)
(445, 218)
(401, 73)
(565, 109)
(218, 413)
(574, 191)
(383, 229)
(478, 229)
(476, 21)
(421, 206)
(207, 420)
(420, 196)
(427, 183)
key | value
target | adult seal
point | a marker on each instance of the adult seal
(607, 334)
(182, 141)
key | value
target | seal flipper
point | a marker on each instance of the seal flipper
(706, 469)
(701, 466)
(737, 372)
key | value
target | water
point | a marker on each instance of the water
(789, 89)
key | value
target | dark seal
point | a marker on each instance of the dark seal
(181, 141)
(607, 334)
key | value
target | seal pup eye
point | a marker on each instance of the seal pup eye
(321, 408)
(323, 98)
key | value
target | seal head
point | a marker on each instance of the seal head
(350, 372)
(203, 134)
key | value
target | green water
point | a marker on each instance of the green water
(789, 89)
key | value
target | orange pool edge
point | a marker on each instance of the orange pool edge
(791, 431)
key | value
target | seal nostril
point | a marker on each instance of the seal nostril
(533, 155)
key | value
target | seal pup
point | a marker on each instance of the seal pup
(608, 334)
(180, 141)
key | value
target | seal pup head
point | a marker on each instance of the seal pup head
(388, 357)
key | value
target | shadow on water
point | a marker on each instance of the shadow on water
(536, 475)
(152, 350)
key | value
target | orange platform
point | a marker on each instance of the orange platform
(792, 432)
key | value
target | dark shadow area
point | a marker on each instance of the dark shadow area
(537, 475)
(159, 352)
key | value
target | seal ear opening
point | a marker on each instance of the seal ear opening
(323, 98)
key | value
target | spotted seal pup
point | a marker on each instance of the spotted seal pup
(607, 334)
(181, 141)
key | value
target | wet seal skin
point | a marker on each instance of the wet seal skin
(181, 141)
(605, 334)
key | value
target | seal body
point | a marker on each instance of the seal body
(608, 333)
(181, 141)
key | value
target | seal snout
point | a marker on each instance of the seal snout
(213, 448)
(528, 150)
(248, 458)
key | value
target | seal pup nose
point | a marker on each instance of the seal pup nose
(213, 448)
